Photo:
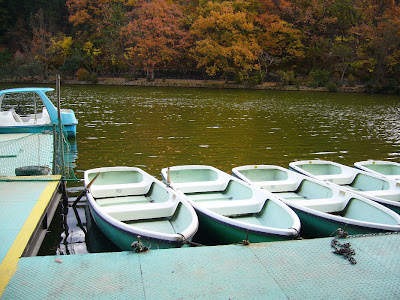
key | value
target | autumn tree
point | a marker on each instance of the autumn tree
(280, 41)
(226, 38)
(155, 36)
(378, 35)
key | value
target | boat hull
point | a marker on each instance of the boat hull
(123, 239)
(70, 129)
(315, 226)
(219, 232)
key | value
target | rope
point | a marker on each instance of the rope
(343, 249)
(138, 246)
(189, 242)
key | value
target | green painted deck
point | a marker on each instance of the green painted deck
(301, 269)
(26, 208)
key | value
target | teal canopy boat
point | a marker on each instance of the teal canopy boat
(132, 208)
(375, 187)
(29, 110)
(322, 208)
(388, 169)
(230, 210)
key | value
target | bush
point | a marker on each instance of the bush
(239, 77)
(256, 79)
(287, 78)
(31, 70)
(320, 77)
(94, 78)
(351, 80)
(71, 65)
(332, 87)
(83, 75)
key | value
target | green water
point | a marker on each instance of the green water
(158, 127)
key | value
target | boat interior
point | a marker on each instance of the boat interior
(129, 196)
(10, 117)
(306, 193)
(229, 198)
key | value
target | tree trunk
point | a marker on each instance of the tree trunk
(150, 72)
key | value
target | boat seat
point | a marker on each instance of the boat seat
(122, 200)
(337, 178)
(233, 207)
(278, 185)
(141, 211)
(16, 117)
(118, 190)
(387, 194)
(200, 186)
(289, 196)
(326, 205)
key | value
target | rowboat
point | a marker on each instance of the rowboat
(389, 169)
(230, 210)
(322, 208)
(375, 187)
(15, 117)
(132, 208)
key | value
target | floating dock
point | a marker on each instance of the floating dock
(26, 210)
(301, 269)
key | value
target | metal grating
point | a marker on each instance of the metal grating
(303, 269)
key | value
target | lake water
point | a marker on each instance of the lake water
(153, 128)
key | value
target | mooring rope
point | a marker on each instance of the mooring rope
(343, 249)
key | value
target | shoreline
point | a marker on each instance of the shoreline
(192, 83)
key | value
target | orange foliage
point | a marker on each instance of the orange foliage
(155, 35)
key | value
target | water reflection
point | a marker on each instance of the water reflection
(157, 127)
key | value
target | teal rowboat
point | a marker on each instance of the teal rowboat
(322, 208)
(129, 205)
(383, 190)
(230, 210)
(388, 169)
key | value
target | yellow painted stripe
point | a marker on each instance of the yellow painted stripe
(9, 265)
